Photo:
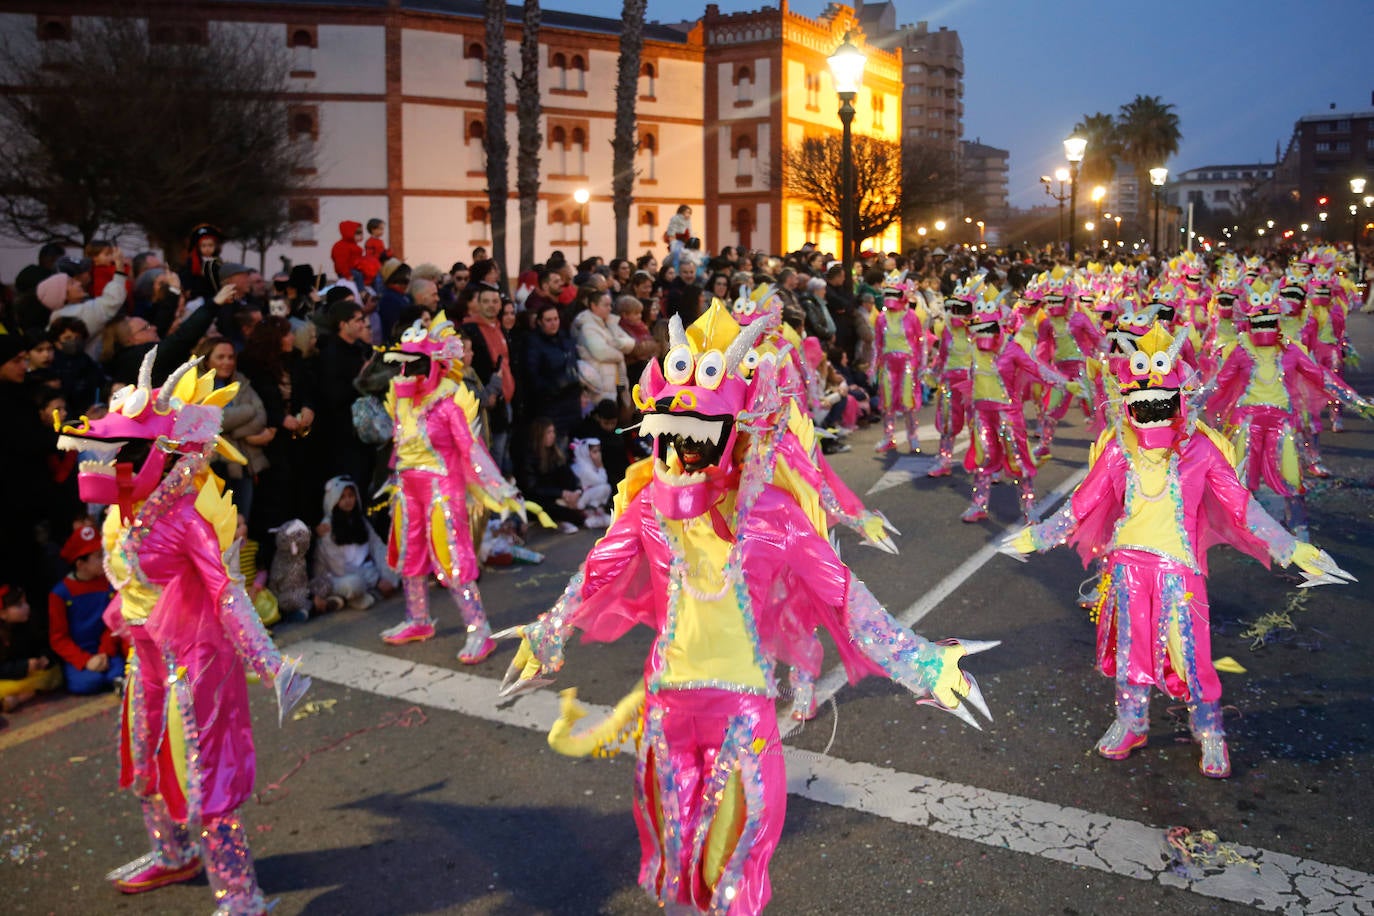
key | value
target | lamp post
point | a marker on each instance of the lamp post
(1158, 176)
(1061, 176)
(1099, 194)
(1117, 238)
(1356, 188)
(1074, 147)
(982, 226)
(847, 69)
(581, 195)
(939, 227)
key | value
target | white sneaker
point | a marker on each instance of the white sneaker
(567, 527)
(598, 520)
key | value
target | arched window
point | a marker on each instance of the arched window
(477, 222)
(744, 157)
(648, 75)
(558, 142)
(744, 84)
(579, 73)
(648, 148)
(559, 65)
(476, 55)
(476, 135)
(558, 226)
(648, 218)
(304, 215)
(579, 151)
(744, 226)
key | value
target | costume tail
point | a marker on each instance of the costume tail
(605, 739)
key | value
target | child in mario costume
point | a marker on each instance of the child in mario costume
(92, 660)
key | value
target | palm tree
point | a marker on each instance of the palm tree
(1149, 134)
(625, 144)
(1104, 148)
(494, 141)
(527, 114)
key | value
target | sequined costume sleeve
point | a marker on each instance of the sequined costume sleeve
(1089, 515)
(608, 595)
(1229, 385)
(241, 622)
(1315, 376)
(910, 660)
(476, 462)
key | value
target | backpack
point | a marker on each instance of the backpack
(370, 420)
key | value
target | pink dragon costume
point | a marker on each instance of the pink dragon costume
(900, 356)
(1328, 302)
(1160, 490)
(720, 549)
(799, 446)
(1002, 372)
(951, 373)
(438, 464)
(1221, 334)
(186, 742)
(1262, 392)
(1195, 294)
(1066, 339)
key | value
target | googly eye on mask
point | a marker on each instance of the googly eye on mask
(677, 365)
(711, 369)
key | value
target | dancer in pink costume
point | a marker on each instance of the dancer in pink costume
(1221, 333)
(799, 452)
(900, 356)
(1002, 373)
(951, 373)
(1262, 392)
(186, 745)
(438, 464)
(1325, 336)
(1066, 339)
(726, 561)
(1160, 490)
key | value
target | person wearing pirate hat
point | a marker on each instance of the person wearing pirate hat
(92, 657)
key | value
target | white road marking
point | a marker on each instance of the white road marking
(1281, 883)
(910, 467)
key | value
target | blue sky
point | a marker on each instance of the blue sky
(1239, 72)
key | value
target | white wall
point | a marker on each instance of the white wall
(432, 64)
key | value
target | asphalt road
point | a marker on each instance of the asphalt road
(408, 789)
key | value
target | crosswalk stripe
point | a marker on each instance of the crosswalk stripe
(1268, 880)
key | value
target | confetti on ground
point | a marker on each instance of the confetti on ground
(1202, 849)
(19, 844)
(1261, 631)
(313, 708)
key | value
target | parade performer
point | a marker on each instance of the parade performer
(799, 450)
(1160, 490)
(1221, 334)
(438, 464)
(900, 357)
(1065, 340)
(719, 550)
(186, 746)
(1328, 301)
(1262, 392)
(1002, 373)
(951, 373)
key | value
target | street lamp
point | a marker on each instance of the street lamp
(1158, 176)
(1061, 176)
(1356, 188)
(847, 69)
(1117, 220)
(982, 226)
(581, 195)
(1074, 148)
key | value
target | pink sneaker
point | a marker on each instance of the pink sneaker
(884, 446)
(941, 469)
(153, 875)
(974, 514)
(1119, 741)
(477, 648)
(408, 631)
(1216, 758)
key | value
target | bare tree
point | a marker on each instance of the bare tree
(808, 171)
(494, 140)
(626, 144)
(211, 139)
(527, 112)
(932, 183)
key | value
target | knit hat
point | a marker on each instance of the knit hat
(84, 541)
(11, 345)
(52, 292)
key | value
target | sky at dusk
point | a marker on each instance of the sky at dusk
(1239, 72)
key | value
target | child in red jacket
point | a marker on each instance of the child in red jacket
(348, 250)
(90, 653)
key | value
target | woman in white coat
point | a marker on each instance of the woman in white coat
(601, 347)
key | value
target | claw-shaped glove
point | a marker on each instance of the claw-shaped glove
(955, 690)
(874, 527)
(1075, 388)
(1017, 545)
(290, 685)
(526, 672)
(393, 483)
(1318, 568)
(533, 508)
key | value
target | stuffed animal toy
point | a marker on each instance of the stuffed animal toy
(288, 578)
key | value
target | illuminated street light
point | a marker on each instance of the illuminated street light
(1158, 176)
(847, 69)
(1074, 148)
(939, 225)
(581, 195)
